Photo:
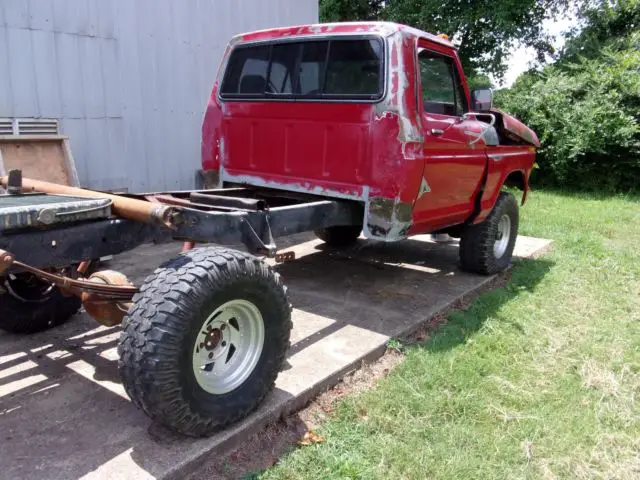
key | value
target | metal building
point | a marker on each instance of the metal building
(126, 80)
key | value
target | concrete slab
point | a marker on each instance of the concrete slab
(64, 413)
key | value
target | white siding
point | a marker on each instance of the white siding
(128, 79)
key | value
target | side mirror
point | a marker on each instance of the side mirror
(482, 100)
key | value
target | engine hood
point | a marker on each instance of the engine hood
(515, 128)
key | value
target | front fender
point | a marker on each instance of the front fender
(506, 165)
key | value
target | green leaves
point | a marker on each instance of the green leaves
(586, 107)
(587, 115)
(350, 10)
(608, 24)
(484, 30)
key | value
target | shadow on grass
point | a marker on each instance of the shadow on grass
(458, 325)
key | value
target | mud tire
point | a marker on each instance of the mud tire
(477, 252)
(162, 326)
(339, 236)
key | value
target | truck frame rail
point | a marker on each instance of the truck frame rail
(231, 216)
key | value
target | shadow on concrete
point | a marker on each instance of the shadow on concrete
(385, 288)
(63, 410)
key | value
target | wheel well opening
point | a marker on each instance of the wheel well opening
(515, 179)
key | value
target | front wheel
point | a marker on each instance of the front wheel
(205, 339)
(487, 247)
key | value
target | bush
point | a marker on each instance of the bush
(587, 115)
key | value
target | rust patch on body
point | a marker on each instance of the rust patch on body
(388, 219)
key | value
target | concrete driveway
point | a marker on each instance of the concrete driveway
(63, 410)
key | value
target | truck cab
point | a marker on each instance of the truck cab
(371, 112)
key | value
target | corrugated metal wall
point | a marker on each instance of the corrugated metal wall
(128, 79)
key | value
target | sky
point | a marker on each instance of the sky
(521, 56)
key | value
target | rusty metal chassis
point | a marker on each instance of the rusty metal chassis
(224, 225)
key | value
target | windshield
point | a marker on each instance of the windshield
(343, 69)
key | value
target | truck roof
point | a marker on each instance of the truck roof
(323, 29)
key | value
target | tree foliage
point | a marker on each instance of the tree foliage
(484, 30)
(607, 24)
(586, 107)
(350, 10)
(477, 81)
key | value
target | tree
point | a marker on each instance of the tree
(586, 107)
(607, 23)
(476, 81)
(484, 30)
(350, 10)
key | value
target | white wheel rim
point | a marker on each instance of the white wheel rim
(228, 346)
(502, 236)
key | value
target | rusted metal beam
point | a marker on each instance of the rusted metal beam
(130, 208)
(227, 201)
(110, 291)
(106, 295)
(183, 202)
(71, 244)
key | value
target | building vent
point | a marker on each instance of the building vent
(6, 126)
(28, 126)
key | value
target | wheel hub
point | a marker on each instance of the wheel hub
(503, 234)
(212, 339)
(228, 346)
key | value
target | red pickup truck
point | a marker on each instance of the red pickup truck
(379, 113)
(340, 129)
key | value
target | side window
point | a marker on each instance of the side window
(442, 91)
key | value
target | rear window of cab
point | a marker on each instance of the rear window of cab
(332, 69)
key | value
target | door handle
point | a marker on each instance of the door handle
(437, 131)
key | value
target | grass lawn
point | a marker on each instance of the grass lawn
(538, 379)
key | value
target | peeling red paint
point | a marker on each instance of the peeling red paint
(518, 129)
(382, 28)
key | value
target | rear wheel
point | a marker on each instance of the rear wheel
(339, 236)
(487, 247)
(205, 339)
(29, 305)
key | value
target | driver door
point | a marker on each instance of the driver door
(455, 154)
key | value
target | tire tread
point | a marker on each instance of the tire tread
(476, 244)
